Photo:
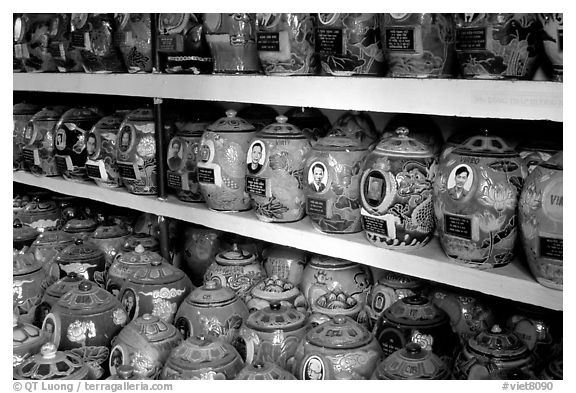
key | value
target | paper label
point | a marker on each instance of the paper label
(329, 42)
(206, 175)
(256, 186)
(458, 226)
(268, 42)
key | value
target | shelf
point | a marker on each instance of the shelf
(511, 282)
(529, 100)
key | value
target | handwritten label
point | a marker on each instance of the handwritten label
(31, 156)
(316, 206)
(372, 224)
(399, 39)
(256, 186)
(329, 42)
(127, 170)
(551, 248)
(64, 163)
(206, 175)
(470, 39)
(458, 226)
(171, 43)
(268, 42)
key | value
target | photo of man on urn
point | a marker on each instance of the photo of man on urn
(459, 182)
(317, 177)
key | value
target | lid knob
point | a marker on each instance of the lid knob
(72, 275)
(257, 365)
(156, 262)
(339, 319)
(416, 300)
(48, 350)
(146, 317)
(125, 371)
(281, 119)
(211, 284)
(85, 286)
(402, 131)
(413, 348)
(496, 329)
(139, 248)
(78, 241)
(275, 306)
(231, 113)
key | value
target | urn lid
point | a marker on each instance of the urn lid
(52, 364)
(281, 129)
(258, 115)
(64, 285)
(110, 123)
(403, 144)
(49, 238)
(38, 207)
(276, 317)
(140, 256)
(25, 334)
(157, 272)
(555, 162)
(231, 123)
(322, 261)
(498, 343)
(88, 298)
(152, 328)
(486, 145)
(340, 332)
(24, 262)
(140, 114)
(336, 302)
(49, 113)
(77, 225)
(25, 108)
(415, 310)
(235, 256)
(23, 232)
(80, 252)
(311, 121)
(110, 231)
(147, 241)
(275, 288)
(398, 281)
(421, 127)
(80, 113)
(264, 371)
(211, 294)
(338, 140)
(202, 352)
(412, 362)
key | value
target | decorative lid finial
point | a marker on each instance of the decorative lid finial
(231, 113)
(402, 131)
(281, 119)
(48, 350)
(139, 249)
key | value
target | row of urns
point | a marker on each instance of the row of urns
(486, 46)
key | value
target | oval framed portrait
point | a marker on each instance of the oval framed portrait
(256, 156)
(130, 303)
(93, 145)
(125, 139)
(51, 326)
(317, 177)
(117, 358)
(313, 369)
(460, 181)
(175, 155)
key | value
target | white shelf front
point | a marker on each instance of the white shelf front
(511, 282)
(529, 100)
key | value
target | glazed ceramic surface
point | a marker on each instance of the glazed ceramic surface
(80, 228)
(272, 334)
(311, 121)
(101, 151)
(412, 362)
(286, 263)
(39, 137)
(46, 248)
(144, 344)
(71, 141)
(475, 200)
(53, 293)
(553, 40)
(202, 358)
(274, 178)
(126, 373)
(332, 175)
(396, 192)
(23, 235)
(272, 290)
(222, 165)
(109, 238)
(183, 151)
(349, 44)
(29, 281)
(67, 57)
(491, 354)
(497, 46)
(42, 214)
(51, 364)
(337, 349)
(32, 35)
(264, 371)
(83, 258)
(211, 310)
(27, 340)
(136, 152)
(125, 264)
(418, 45)
(285, 43)
(541, 217)
(134, 35)
(554, 369)
(182, 45)
(232, 41)
(200, 248)
(358, 125)
(21, 115)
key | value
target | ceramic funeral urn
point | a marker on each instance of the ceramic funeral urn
(27, 340)
(264, 371)
(553, 41)
(412, 362)
(83, 258)
(21, 115)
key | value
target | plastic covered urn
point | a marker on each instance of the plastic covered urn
(157, 288)
(53, 293)
(83, 258)
(182, 45)
(211, 310)
(272, 334)
(491, 354)
(109, 237)
(264, 371)
(349, 44)
(311, 121)
(23, 235)
(102, 152)
(144, 344)
(236, 268)
(541, 217)
(222, 165)
(553, 41)
(232, 41)
(27, 340)
(134, 35)
(136, 152)
(476, 194)
(337, 349)
(285, 43)
(21, 115)
(41, 213)
(51, 364)
(332, 176)
(396, 192)
(412, 362)
(275, 163)
(497, 46)
(182, 158)
(418, 45)
(39, 138)
(287, 263)
(202, 358)
(29, 280)
(72, 142)
(87, 316)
